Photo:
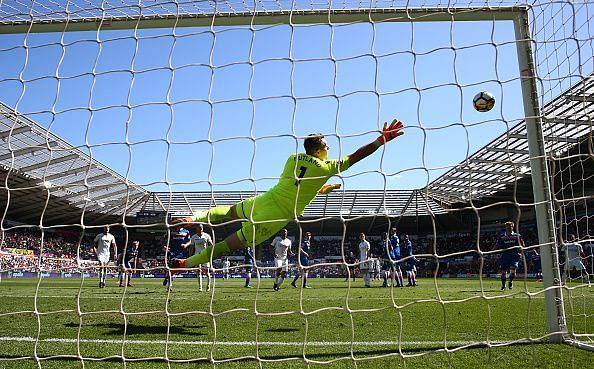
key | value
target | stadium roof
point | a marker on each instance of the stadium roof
(505, 162)
(42, 167)
(348, 204)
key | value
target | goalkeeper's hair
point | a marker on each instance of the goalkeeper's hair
(313, 142)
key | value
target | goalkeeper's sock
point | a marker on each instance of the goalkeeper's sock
(217, 250)
(213, 215)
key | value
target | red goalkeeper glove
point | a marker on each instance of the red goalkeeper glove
(391, 132)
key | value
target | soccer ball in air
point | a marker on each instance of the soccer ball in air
(483, 101)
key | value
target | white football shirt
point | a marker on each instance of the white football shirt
(103, 243)
(573, 251)
(281, 247)
(364, 248)
(200, 241)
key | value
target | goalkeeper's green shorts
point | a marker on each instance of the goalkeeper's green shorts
(265, 218)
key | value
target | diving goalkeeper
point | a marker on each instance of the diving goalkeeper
(303, 177)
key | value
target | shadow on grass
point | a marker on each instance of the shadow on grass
(117, 329)
(319, 356)
(282, 330)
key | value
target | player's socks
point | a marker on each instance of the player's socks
(503, 279)
(280, 281)
(204, 257)
(213, 215)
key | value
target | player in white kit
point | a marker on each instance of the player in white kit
(574, 253)
(198, 242)
(101, 245)
(282, 251)
(364, 248)
(226, 266)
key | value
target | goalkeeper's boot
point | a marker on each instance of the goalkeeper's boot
(510, 285)
(178, 263)
(502, 287)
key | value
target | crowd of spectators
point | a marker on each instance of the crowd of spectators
(452, 253)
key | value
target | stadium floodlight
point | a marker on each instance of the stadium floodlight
(214, 95)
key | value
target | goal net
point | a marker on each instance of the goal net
(130, 114)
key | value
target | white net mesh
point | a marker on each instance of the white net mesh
(131, 113)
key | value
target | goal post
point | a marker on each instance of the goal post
(543, 201)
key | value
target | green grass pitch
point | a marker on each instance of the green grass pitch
(70, 323)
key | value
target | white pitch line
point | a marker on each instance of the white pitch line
(175, 297)
(253, 343)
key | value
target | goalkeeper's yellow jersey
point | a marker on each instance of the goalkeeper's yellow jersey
(302, 178)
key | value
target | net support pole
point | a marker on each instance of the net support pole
(540, 184)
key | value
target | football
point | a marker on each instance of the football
(483, 101)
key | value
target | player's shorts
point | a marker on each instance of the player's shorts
(127, 265)
(268, 218)
(537, 266)
(282, 263)
(249, 268)
(508, 262)
(365, 265)
(103, 257)
(172, 255)
(304, 261)
(389, 264)
(410, 264)
(574, 264)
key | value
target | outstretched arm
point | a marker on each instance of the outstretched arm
(388, 134)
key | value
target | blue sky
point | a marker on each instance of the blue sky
(231, 124)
